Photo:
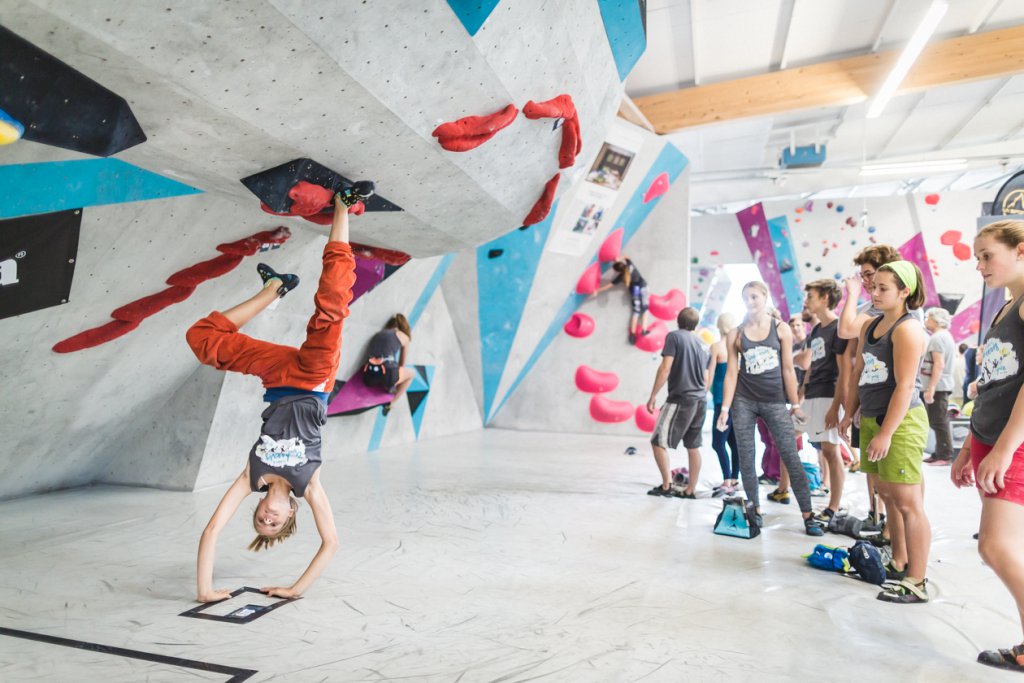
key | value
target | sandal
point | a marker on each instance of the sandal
(905, 592)
(1012, 659)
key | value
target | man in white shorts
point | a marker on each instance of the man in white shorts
(824, 385)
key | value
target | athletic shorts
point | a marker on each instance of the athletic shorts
(681, 421)
(815, 409)
(381, 376)
(1014, 477)
(902, 465)
(639, 295)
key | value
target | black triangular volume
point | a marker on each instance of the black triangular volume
(416, 398)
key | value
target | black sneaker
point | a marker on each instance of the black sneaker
(359, 191)
(813, 527)
(658, 491)
(289, 281)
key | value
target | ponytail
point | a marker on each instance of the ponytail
(398, 322)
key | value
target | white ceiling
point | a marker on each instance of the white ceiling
(704, 41)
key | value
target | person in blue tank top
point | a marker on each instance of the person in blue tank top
(894, 424)
(720, 439)
(993, 458)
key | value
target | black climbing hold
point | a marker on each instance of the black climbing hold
(495, 253)
(273, 184)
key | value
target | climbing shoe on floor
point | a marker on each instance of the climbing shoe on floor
(288, 280)
(1012, 659)
(658, 491)
(813, 527)
(778, 496)
(905, 592)
(893, 574)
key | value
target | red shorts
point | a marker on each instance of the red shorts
(217, 342)
(1014, 477)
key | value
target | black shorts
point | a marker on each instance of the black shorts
(681, 421)
(381, 376)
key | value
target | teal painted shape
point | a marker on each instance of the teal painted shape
(473, 13)
(425, 376)
(785, 255)
(625, 30)
(61, 185)
(414, 315)
(670, 161)
(503, 286)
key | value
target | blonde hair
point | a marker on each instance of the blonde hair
(759, 286)
(262, 541)
(1008, 232)
(725, 323)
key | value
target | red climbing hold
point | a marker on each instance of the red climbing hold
(247, 246)
(391, 257)
(580, 325)
(611, 246)
(931, 199)
(606, 410)
(646, 421)
(590, 280)
(203, 271)
(560, 107)
(594, 381)
(667, 307)
(657, 188)
(470, 132)
(540, 210)
(950, 237)
(962, 251)
(95, 336)
(140, 309)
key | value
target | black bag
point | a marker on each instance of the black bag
(847, 525)
(867, 562)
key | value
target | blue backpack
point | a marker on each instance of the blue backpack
(867, 562)
(829, 558)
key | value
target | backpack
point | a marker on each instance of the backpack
(737, 519)
(829, 558)
(847, 525)
(867, 563)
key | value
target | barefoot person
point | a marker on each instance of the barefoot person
(286, 458)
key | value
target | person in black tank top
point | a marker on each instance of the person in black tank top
(994, 455)
(385, 363)
(894, 424)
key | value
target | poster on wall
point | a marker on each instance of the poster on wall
(596, 195)
(37, 261)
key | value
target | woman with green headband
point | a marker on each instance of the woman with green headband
(894, 423)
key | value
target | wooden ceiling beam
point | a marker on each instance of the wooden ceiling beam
(837, 83)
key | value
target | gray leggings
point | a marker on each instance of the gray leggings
(776, 417)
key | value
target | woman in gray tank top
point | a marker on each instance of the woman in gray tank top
(758, 380)
(894, 424)
(994, 455)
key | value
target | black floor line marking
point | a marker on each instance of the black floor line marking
(253, 611)
(237, 675)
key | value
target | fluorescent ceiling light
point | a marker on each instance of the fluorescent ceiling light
(909, 55)
(896, 168)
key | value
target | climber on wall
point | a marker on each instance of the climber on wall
(385, 364)
(286, 458)
(629, 276)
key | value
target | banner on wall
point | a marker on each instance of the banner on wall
(596, 195)
(37, 261)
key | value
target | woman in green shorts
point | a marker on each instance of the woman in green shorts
(894, 423)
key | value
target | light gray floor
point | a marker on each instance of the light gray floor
(489, 556)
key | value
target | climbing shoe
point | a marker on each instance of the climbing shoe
(1011, 659)
(357, 192)
(825, 516)
(658, 491)
(893, 574)
(813, 527)
(288, 281)
(778, 496)
(905, 592)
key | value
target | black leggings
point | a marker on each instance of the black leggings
(718, 442)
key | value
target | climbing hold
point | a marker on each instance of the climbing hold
(840, 208)
(962, 251)
(10, 129)
(872, 229)
(630, 450)
(797, 220)
(590, 280)
(799, 209)
(646, 421)
(667, 307)
(950, 237)
(809, 205)
(580, 325)
(541, 209)
(606, 410)
(560, 107)
(829, 205)
(838, 276)
(611, 246)
(714, 252)
(851, 221)
(658, 187)
(755, 209)
(931, 199)
(470, 132)
(817, 269)
(654, 340)
(594, 381)
(495, 253)
(706, 336)
(694, 260)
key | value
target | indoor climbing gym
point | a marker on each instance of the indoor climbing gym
(505, 341)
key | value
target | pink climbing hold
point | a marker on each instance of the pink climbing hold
(590, 280)
(714, 252)
(611, 246)
(646, 421)
(657, 188)
(654, 340)
(962, 251)
(606, 410)
(950, 237)
(594, 381)
(931, 199)
(667, 307)
(580, 325)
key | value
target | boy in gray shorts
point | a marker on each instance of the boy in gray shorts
(684, 365)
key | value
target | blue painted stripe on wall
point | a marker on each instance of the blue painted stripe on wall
(413, 317)
(473, 13)
(62, 185)
(670, 161)
(625, 29)
(782, 242)
(503, 286)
